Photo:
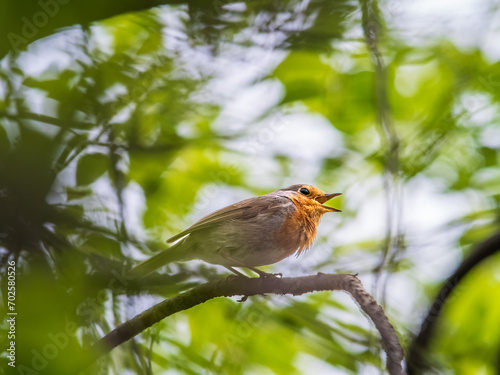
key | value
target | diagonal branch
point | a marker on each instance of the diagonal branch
(416, 355)
(233, 286)
(63, 123)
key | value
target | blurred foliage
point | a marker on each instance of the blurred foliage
(122, 124)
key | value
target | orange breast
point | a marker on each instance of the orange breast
(299, 229)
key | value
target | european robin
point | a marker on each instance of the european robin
(254, 232)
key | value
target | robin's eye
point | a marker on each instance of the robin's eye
(304, 191)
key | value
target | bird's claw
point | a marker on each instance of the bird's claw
(242, 299)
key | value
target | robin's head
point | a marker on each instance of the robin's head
(312, 193)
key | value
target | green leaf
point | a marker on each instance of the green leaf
(102, 245)
(78, 192)
(304, 75)
(90, 168)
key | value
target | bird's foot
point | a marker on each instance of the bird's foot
(265, 274)
(279, 274)
(236, 273)
(242, 299)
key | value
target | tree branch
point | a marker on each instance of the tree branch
(416, 361)
(372, 23)
(233, 286)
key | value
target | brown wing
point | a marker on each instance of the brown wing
(245, 209)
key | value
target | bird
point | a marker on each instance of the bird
(254, 232)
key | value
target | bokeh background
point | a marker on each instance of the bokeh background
(122, 123)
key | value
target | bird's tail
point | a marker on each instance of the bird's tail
(174, 253)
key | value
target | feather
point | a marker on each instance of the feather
(174, 253)
(245, 209)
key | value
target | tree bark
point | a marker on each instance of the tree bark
(233, 286)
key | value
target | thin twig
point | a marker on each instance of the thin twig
(372, 27)
(63, 123)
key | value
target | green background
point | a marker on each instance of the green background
(123, 122)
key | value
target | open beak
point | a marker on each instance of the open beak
(325, 198)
